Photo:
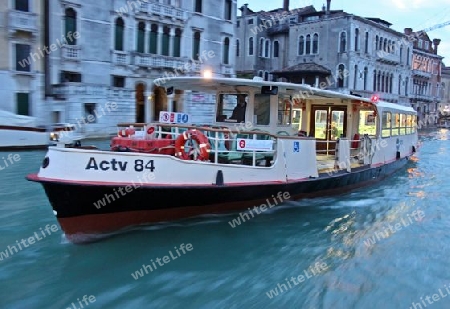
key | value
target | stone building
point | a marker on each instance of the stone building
(426, 70)
(103, 73)
(21, 61)
(328, 48)
(444, 104)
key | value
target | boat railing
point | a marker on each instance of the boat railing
(227, 145)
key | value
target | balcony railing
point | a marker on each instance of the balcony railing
(22, 21)
(77, 90)
(152, 7)
(421, 73)
(71, 52)
(386, 57)
(158, 61)
(120, 57)
(276, 29)
(226, 69)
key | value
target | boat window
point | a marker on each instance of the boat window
(402, 124)
(262, 109)
(367, 122)
(408, 124)
(320, 124)
(414, 124)
(296, 115)
(337, 124)
(395, 124)
(231, 107)
(386, 124)
(284, 110)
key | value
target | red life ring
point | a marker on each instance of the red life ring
(199, 148)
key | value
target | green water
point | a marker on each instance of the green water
(238, 267)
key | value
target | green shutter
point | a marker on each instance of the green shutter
(153, 43)
(140, 41)
(23, 104)
(71, 26)
(176, 46)
(165, 44)
(119, 38)
(196, 49)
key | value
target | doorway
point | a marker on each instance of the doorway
(140, 103)
(328, 123)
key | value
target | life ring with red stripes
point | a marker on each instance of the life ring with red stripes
(196, 144)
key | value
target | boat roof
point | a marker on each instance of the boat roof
(214, 84)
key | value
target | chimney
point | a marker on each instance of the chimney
(286, 5)
(244, 9)
(328, 6)
(436, 43)
(408, 31)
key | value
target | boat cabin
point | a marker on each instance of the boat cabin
(337, 127)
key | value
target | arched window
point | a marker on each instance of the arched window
(356, 39)
(177, 43)
(70, 26)
(308, 44)
(407, 56)
(261, 47)
(165, 41)
(267, 49)
(399, 84)
(343, 42)
(376, 42)
(266, 75)
(276, 49)
(153, 48)
(226, 51)
(365, 78)
(366, 43)
(355, 78)
(340, 79)
(140, 37)
(315, 44)
(401, 53)
(382, 82)
(250, 46)
(237, 48)
(380, 44)
(118, 44)
(196, 46)
(301, 45)
(374, 80)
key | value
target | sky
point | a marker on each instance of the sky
(416, 14)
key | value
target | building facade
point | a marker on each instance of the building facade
(21, 64)
(444, 105)
(327, 49)
(426, 69)
(113, 50)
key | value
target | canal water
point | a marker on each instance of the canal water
(384, 246)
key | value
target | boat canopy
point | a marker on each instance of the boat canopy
(11, 119)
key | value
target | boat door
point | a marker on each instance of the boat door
(328, 123)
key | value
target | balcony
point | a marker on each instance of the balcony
(81, 90)
(420, 73)
(120, 57)
(158, 61)
(278, 29)
(22, 21)
(152, 7)
(422, 97)
(388, 58)
(71, 52)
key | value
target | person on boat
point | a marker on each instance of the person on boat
(239, 110)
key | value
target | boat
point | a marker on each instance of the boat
(293, 141)
(21, 132)
(65, 133)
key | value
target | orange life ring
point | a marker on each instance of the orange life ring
(200, 151)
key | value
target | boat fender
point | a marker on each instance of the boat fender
(219, 178)
(397, 156)
(199, 146)
(413, 149)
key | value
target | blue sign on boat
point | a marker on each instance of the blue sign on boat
(296, 146)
